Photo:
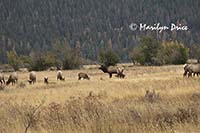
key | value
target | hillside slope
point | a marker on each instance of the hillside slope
(32, 25)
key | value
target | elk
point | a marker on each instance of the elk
(83, 76)
(112, 70)
(13, 78)
(2, 80)
(60, 76)
(120, 75)
(190, 69)
(32, 77)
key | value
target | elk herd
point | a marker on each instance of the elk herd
(189, 71)
(13, 77)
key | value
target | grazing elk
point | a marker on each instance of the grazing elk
(112, 70)
(2, 80)
(83, 76)
(46, 80)
(190, 69)
(13, 78)
(120, 75)
(60, 76)
(32, 77)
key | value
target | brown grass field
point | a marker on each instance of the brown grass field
(101, 104)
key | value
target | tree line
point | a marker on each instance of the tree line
(149, 52)
(31, 26)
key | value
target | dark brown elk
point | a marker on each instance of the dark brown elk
(2, 80)
(120, 75)
(60, 76)
(112, 70)
(32, 77)
(13, 78)
(83, 76)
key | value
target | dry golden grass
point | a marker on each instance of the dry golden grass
(115, 105)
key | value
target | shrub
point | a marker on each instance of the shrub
(108, 57)
(152, 52)
(13, 60)
(42, 61)
(66, 57)
(151, 96)
(137, 56)
(146, 51)
(71, 60)
(173, 53)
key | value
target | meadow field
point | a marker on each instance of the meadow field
(101, 104)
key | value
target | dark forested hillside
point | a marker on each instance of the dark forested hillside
(90, 25)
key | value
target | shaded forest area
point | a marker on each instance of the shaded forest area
(29, 26)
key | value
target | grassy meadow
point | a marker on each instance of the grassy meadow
(102, 104)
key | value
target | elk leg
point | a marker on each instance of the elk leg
(189, 74)
(194, 74)
(110, 74)
(185, 73)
